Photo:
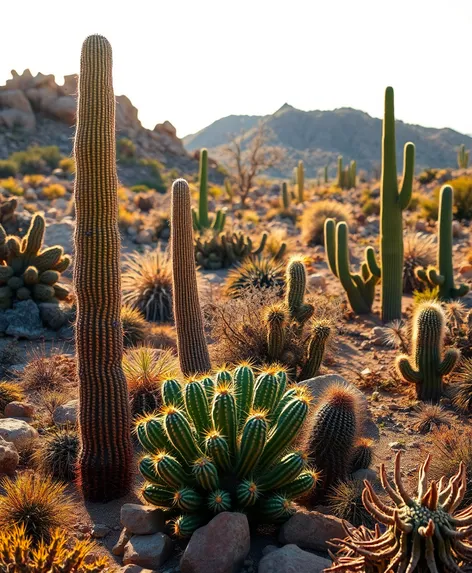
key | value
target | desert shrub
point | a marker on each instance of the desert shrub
(345, 501)
(125, 150)
(139, 188)
(427, 176)
(162, 336)
(314, 217)
(8, 168)
(414, 202)
(9, 355)
(371, 207)
(155, 180)
(9, 392)
(54, 191)
(419, 251)
(34, 180)
(429, 206)
(12, 186)
(67, 164)
(275, 241)
(37, 159)
(426, 295)
(147, 284)
(255, 272)
(431, 416)
(462, 197)
(58, 452)
(42, 374)
(38, 503)
(462, 388)
(135, 327)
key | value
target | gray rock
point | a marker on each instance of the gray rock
(292, 559)
(54, 315)
(119, 547)
(3, 322)
(219, 547)
(317, 281)
(18, 432)
(24, 321)
(9, 457)
(149, 551)
(67, 413)
(367, 473)
(100, 530)
(311, 530)
(142, 519)
(134, 569)
(61, 234)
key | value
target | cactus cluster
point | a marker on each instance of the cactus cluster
(462, 157)
(346, 176)
(201, 220)
(442, 276)
(423, 533)
(223, 444)
(427, 366)
(29, 272)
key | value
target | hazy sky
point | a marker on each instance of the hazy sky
(194, 61)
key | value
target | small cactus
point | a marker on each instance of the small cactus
(300, 181)
(201, 220)
(462, 157)
(285, 197)
(296, 288)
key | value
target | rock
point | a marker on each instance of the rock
(19, 410)
(456, 229)
(30, 194)
(311, 530)
(119, 547)
(12, 118)
(15, 99)
(269, 549)
(61, 234)
(18, 432)
(134, 569)
(54, 315)
(367, 473)
(100, 530)
(377, 336)
(317, 281)
(292, 559)
(24, 321)
(219, 547)
(67, 413)
(420, 226)
(141, 519)
(396, 446)
(144, 237)
(9, 457)
(64, 109)
(149, 551)
(466, 271)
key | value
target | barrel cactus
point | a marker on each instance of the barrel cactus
(223, 443)
(29, 272)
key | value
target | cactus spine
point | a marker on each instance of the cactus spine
(192, 346)
(360, 288)
(300, 181)
(106, 453)
(393, 202)
(201, 221)
(463, 157)
(426, 367)
(443, 276)
(285, 197)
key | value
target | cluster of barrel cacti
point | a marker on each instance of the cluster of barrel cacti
(29, 272)
(201, 219)
(346, 176)
(462, 157)
(223, 443)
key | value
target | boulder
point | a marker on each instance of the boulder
(15, 99)
(311, 530)
(64, 109)
(9, 457)
(149, 551)
(18, 432)
(61, 234)
(67, 413)
(12, 118)
(317, 281)
(54, 315)
(24, 321)
(142, 519)
(100, 530)
(292, 559)
(19, 410)
(119, 547)
(219, 547)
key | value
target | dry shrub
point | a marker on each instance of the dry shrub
(162, 336)
(44, 373)
(419, 251)
(345, 501)
(314, 217)
(9, 392)
(135, 327)
(431, 416)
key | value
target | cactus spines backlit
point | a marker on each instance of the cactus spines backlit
(424, 533)
(361, 455)
(276, 318)
(296, 288)
(105, 461)
(191, 343)
(443, 275)
(301, 182)
(427, 366)
(321, 330)
(201, 220)
(359, 287)
(462, 157)
(393, 202)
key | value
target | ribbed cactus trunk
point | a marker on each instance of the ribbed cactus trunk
(191, 343)
(105, 461)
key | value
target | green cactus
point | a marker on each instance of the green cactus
(321, 331)
(360, 288)
(296, 287)
(427, 366)
(276, 318)
(326, 177)
(241, 462)
(340, 176)
(201, 220)
(352, 174)
(285, 196)
(443, 275)
(392, 204)
(462, 157)
(361, 455)
(301, 182)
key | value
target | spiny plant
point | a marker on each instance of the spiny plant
(418, 254)
(393, 203)
(300, 182)
(58, 555)
(430, 416)
(201, 220)
(147, 284)
(362, 454)
(58, 453)
(442, 276)
(314, 217)
(462, 389)
(256, 272)
(36, 502)
(427, 366)
(134, 325)
(42, 373)
(424, 533)
(285, 198)
(462, 157)
(105, 460)
(26, 271)
(9, 392)
(359, 287)
(344, 500)
(346, 177)
(223, 444)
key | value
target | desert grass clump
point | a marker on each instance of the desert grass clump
(53, 191)
(42, 374)
(38, 503)
(462, 388)
(431, 416)
(418, 253)
(135, 327)
(256, 272)
(314, 217)
(9, 392)
(162, 336)
(58, 453)
(145, 369)
(147, 284)
(345, 501)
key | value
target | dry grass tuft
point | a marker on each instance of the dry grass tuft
(345, 501)
(431, 416)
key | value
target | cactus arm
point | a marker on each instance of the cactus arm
(451, 358)
(434, 277)
(408, 175)
(261, 246)
(462, 290)
(196, 223)
(372, 263)
(407, 371)
(203, 195)
(330, 245)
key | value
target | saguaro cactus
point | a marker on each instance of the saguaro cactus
(426, 367)
(285, 196)
(463, 157)
(340, 172)
(392, 204)
(360, 288)
(201, 220)
(191, 343)
(443, 276)
(300, 181)
(105, 461)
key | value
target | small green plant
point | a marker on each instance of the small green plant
(418, 254)
(67, 164)
(36, 159)
(12, 186)
(53, 191)
(7, 168)
(462, 157)
(155, 179)
(125, 150)
(201, 219)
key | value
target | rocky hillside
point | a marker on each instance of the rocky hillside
(318, 137)
(38, 111)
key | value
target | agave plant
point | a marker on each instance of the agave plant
(256, 272)
(424, 534)
(223, 444)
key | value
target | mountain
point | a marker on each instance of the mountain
(318, 137)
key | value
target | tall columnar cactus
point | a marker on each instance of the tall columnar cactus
(392, 204)
(201, 220)
(360, 288)
(352, 174)
(462, 157)
(285, 196)
(226, 448)
(296, 289)
(301, 182)
(427, 366)
(192, 346)
(340, 176)
(325, 171)
(105, 461)
(443, 275)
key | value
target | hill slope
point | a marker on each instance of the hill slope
(318, 137)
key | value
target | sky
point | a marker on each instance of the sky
(194, 61)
